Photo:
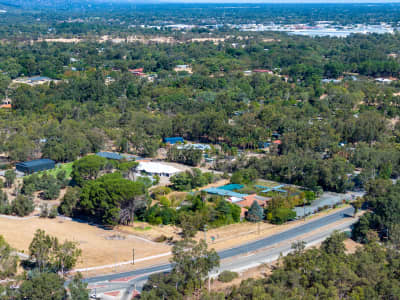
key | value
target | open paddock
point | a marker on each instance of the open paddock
(99, 246)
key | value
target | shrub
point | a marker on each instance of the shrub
(161, 191)
(53, 212)
(44, 211)
(154, 220)
(164, 201)
(22, 206)
(168, 216)
(227, 276)
(282, 215)
(160, 239)
(69, 201)
(255, 213)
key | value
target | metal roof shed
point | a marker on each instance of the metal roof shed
(110, 155)
(29, 167)
(173, 140)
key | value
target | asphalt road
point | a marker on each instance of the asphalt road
(140, 275)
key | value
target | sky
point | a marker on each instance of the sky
(253, 1)
(280, 1)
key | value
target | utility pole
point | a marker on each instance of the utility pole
(133, 256)
(115, 266)
(304, 209)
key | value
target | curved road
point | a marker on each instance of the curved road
(249, 247)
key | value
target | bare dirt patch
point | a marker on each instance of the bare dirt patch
(214, 40)
(351, 246)
(98, 245)
(270, 40)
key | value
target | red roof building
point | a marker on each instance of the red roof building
(139, 70)
(263, 71)
(248, 201)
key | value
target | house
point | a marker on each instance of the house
(35, 80)
(263, 71)
(329, 80)
(109, 80)
(183, 68)
(248, 200)
(151, 77)
(173, 140)
(276, 135)
(264, 145)
(155, 168)
(247, 73)
(29, 167)
(383, 80)
(202, 147)
(6, 103)
(138, 72)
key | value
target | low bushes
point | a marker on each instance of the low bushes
(227, 276)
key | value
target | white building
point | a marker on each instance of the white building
(202, 147)
(155, 168)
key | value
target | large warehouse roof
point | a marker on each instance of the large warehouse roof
(156, 168)
(35, 165)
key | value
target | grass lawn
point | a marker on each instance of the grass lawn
(253, 188)
(66, 167)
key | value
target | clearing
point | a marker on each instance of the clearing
(60, 167)
(99, 246)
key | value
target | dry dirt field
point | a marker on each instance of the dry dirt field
(97, 247)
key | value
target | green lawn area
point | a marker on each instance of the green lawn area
(266, 183)
(66, 167)
(253, 187)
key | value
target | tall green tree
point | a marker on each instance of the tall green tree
(10, 177)
(192, 264)
(87, 168)
(78, 289)
(8, 259)
(255, 213)
(42, 286)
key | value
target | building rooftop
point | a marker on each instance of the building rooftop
(156, 168)
(110, 155)
(249, 199)
(38, 78)
(35, 163)
(221, 192)
(174, 140)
